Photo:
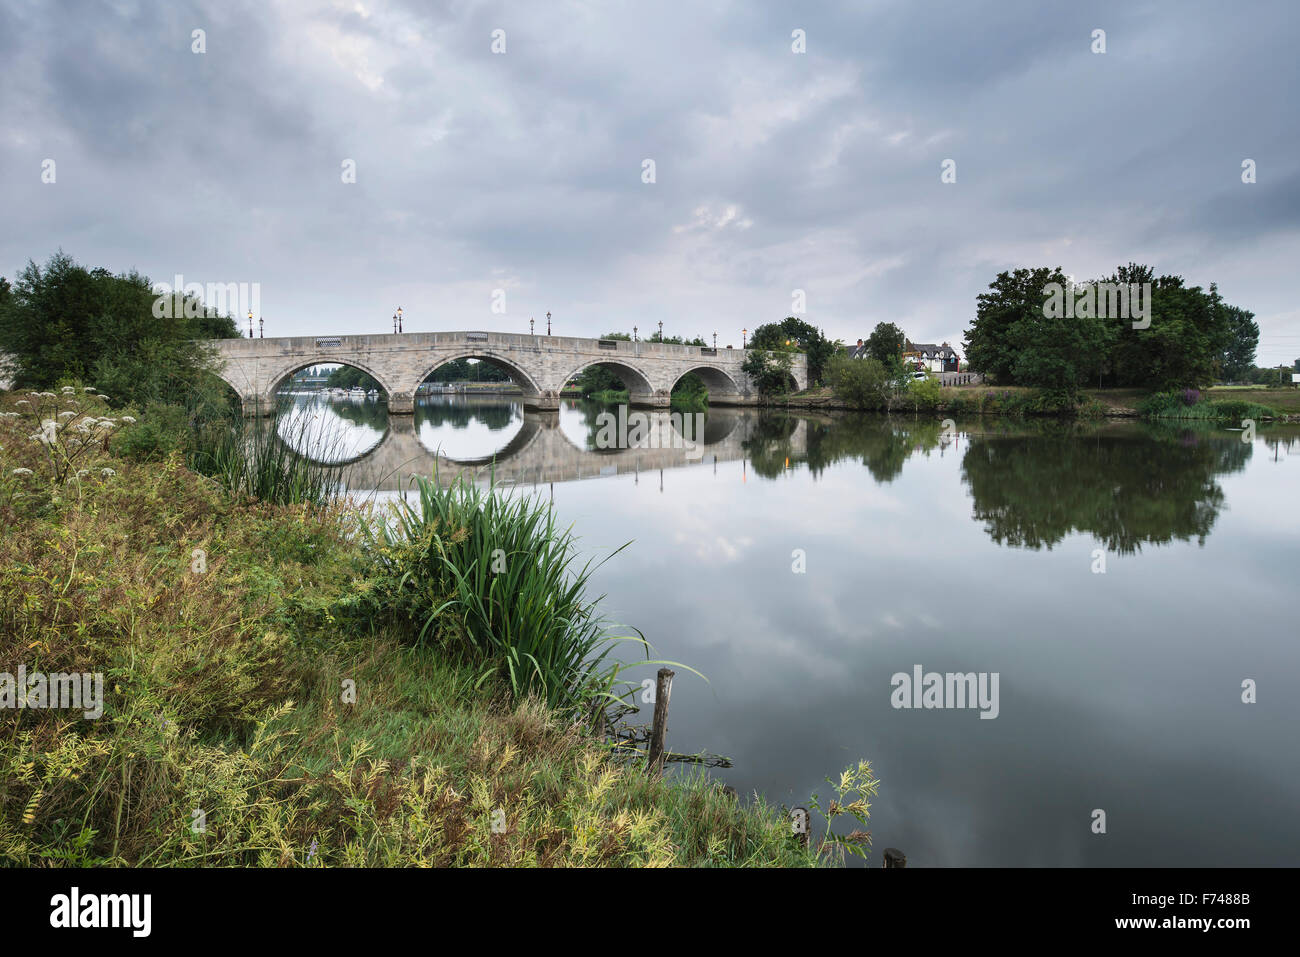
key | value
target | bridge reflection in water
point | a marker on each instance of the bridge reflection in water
(555, 446)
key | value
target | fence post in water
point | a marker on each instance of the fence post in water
(895, 858)
(659, 730)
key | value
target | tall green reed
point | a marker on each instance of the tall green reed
(253, 459)
(516, 587)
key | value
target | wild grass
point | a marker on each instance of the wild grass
(1191, 404)
(254, 460)
(256, 714)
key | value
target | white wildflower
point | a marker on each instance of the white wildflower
(67, 389)
(129, 419)
(22, 472)
(66, 414)
(106, 472)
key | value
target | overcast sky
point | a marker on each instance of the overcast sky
(775, 171)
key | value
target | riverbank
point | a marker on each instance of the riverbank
(1281, 405)
(268, 701)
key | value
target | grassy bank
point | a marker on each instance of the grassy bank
(287, 685)
(1209, 405)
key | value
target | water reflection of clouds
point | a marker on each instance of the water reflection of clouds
(330, 431)
(466, 427)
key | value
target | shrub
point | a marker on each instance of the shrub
(862, 383)
(924, 393)
(160, 431)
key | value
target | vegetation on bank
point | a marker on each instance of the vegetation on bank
(296, 685)
(1038, 328)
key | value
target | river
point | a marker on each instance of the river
(1128, 584)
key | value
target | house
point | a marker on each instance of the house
(924, 355)
(932, 358)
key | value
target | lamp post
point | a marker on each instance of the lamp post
(250, 323)
(715, 341)
(548, 322)
(743, 333)
(634, 333)
(661, 330)
(530, 327)
(394, 323)
(261, 328)
(399, 318)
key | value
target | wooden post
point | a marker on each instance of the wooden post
(659, 731)
(895, 858)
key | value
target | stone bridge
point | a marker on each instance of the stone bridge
(540, 453)
(539, 365)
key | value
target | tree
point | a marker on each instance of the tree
(1239, 356)
(1183, 338)
(1015, 296)
(792, 332)
(675, 340)
(1058, 354)
(886, 343)
(67, 322)
(769, 370)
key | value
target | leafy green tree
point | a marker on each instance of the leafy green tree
(66, 322)
(1057, 354)
(675, 340)
(793, 333)
(886, 343)
(769, 370)
(991, 347)
(1186, 336)
(1239, 356)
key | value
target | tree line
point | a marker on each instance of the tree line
(1035, 327)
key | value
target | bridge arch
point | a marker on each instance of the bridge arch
(716, 380)
(511, 368)
(637, 382)
(276, 379)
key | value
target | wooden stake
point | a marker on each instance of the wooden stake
(659, 731)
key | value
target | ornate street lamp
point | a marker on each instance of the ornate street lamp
(634, 333)
(548, 322)
(250, 323)
(530, 327)
(394, 323)
(743, 333)
(399, 318)
(715, 340)
(661, 330)
(261, 328)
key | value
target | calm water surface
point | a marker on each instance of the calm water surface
(967, 551)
